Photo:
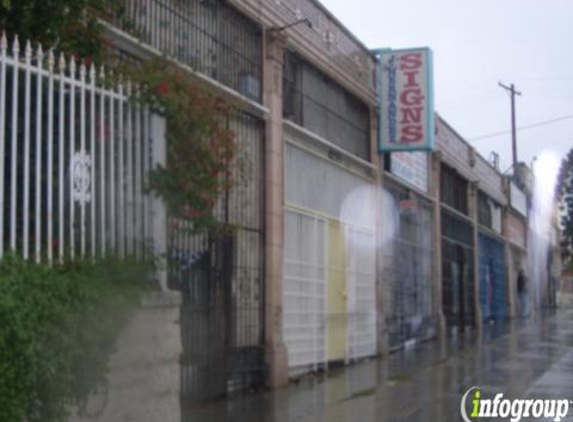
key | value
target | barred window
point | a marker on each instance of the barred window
(456, 229)
(489, 212)
(454, 189)
(210, 36)
(484, 210)
(316, 102)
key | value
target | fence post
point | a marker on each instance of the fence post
(158, 210)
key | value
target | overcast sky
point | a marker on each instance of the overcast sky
(477, 43)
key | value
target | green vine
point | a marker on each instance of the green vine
(201, 149)
(67, 25)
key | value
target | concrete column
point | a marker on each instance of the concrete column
(473, 212)
(143, 378)
(275, 350)
(435, 168)
(382, 341)
(510, 269)
(158, 210)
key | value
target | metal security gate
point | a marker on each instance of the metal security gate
(74, 159)
(361, 296)
(222, 283)
(457, 271)
(304, 290)
(197, 263)
(492, 275)
(408, 266)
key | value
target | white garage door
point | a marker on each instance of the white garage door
(304, 289)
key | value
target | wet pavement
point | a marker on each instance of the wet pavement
(521, 359)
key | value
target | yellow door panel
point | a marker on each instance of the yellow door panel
(336, 282)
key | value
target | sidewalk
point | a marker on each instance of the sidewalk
(520, 359)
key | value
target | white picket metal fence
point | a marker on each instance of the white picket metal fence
(74, 159)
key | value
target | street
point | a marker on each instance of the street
(520, 359)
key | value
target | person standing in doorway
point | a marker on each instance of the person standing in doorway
(522, 293)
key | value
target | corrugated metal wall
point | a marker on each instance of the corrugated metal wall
(318, 184)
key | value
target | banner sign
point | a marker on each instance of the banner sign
(411, 167)
(405, 90)
(517, 199)
(515, 230)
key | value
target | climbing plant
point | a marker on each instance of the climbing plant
(66, 25)
(201, 148)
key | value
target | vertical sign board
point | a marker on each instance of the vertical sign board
(405, 90)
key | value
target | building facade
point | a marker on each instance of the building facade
(340, 253)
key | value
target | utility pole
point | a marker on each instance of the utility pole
(512, 93)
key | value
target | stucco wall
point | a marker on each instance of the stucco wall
(328, 44)
(457, 153)
(143, 378)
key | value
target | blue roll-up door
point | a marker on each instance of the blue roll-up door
(492, 276)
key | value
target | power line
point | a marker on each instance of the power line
(531, 126)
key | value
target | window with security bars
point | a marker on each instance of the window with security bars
(210, 36)
(489, 212)
(484, 210)
(316, 102)
(453, 189)
(456, 229)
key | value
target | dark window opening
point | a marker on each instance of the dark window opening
(316, 102)
(454, 189)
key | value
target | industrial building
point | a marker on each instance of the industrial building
(341, 253)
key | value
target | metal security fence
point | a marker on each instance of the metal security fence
(361, 292)
(73, 159)
(221, 278)
(408, 267)
(210, 36)
(304, 290)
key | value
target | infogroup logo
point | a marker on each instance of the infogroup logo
(512, 410)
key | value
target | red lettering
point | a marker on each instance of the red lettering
(411, 115)
(411, 79)
(412, 134)
(411, 97)
(411, 61)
